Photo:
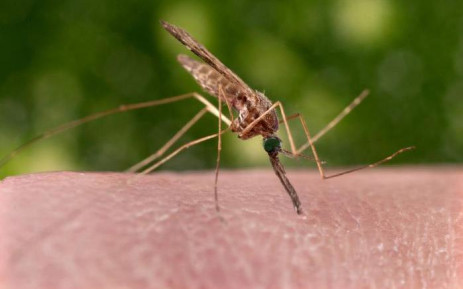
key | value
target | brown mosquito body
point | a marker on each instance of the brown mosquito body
(256, 113)
(252, 106)
(256, 117)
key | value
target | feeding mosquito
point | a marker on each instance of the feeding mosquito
(256, 116)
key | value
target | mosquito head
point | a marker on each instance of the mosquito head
(272, 144)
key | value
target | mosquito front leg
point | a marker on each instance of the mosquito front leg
(311, 142)
(319, 163)
(328, 127)
(293, 148)
(336, 120)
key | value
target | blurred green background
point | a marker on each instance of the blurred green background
(62, 60)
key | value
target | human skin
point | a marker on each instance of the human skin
(381, 228)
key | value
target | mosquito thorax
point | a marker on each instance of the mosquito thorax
(272, 144)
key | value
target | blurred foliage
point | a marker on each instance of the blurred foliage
(62, 60)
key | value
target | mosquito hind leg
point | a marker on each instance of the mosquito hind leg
(209, 107)
(119, 109)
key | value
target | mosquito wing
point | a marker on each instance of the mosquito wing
(186, 39)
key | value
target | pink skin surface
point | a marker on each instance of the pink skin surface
(384, 228)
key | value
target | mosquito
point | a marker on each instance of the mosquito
(256, 116)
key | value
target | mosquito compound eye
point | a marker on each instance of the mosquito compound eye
(272, 144)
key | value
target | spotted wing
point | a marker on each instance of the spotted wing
(212, 81)
(193, 45)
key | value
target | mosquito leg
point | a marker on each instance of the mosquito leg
(122, 108)
(288, 130)
(274, 160)
(178, 150)
(219, 149)
(337, 119)
(294, 151)
(209, 107)
(386, 159)
(169, 143)
(330, 125)
(291, 117)
(212, 109)
(319, 163)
